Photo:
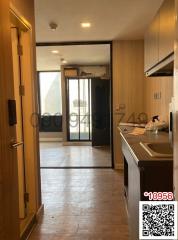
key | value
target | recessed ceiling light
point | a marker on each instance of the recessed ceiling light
(64, 61)
(86, 24)
(55, 51)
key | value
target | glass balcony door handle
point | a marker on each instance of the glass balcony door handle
(16, 144)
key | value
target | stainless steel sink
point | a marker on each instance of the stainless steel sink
(163, 149)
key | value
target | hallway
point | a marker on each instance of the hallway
(82, 204)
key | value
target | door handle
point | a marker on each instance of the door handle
(16, 144)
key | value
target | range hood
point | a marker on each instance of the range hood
(163, 68)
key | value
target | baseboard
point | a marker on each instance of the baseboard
(119, 166)
(51, 139)
(31, 223)
(40, 212)
(29, 226)
(76, 143)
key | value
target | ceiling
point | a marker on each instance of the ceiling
(110, 19)
(76, 54)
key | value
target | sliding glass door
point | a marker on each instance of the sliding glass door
(79, 109)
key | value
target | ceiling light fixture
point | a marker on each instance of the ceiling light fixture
(63, 61)
(55, 51)
(86, 24)
(53, 26)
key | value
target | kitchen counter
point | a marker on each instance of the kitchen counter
(143, 173)
(141, 157)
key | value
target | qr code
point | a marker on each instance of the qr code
(158, 220)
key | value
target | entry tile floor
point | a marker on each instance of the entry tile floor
(54, 154)
(82, 204)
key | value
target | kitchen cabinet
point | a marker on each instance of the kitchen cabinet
(132, 191)
(143, 174)
(159, 37)
(151, 42)
(166, 29)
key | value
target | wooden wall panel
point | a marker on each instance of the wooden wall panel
(9, 225)
(163, 85)
(128, 81)
(132, 88)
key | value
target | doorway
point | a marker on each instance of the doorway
(85, 137)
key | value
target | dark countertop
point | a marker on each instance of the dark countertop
(140, 155)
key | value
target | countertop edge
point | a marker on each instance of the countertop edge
(139, 156)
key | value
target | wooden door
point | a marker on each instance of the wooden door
(15, 36)
(100, 106)
(9, 223)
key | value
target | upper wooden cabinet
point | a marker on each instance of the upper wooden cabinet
(166, 29)
(159, 37)
(151, 44)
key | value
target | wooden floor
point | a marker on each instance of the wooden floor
(82, 204)
(56, 155)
